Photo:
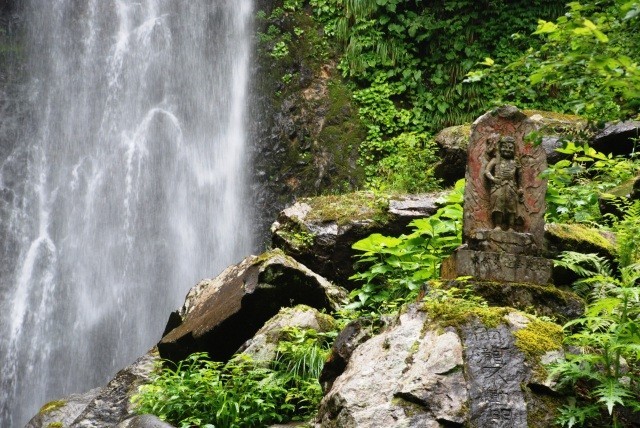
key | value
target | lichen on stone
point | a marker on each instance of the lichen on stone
(538, 338)
(52, 406)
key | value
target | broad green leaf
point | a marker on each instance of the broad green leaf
(545, 27)
(375, 242)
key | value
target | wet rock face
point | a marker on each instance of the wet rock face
(219, 315)
(100, 407)
(307, 132)
(418, 373)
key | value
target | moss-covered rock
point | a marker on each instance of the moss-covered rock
(546, 300)
(263, 345)
(320, 231)
(580, 238)
(448, 362)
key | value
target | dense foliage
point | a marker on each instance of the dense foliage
(394, 269)
(587, 63)
(576, 183)
(407, 61)
(603, 369)
(242, 393)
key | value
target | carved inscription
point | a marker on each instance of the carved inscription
(495, 371)
(501, 267)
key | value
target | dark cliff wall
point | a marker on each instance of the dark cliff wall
(306, 132)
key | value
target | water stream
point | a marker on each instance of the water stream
(125, 188)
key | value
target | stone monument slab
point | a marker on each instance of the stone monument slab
(504, 203)
(504, 190)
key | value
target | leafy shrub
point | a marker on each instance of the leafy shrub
(396, 268)
(587, 63)
(574, 185)
(241, 393)
(604, 369)
(407, 61)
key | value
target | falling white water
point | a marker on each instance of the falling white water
(125, 188)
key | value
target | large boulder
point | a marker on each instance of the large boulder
(221, 314)
(100, 407)
(444, 365)
(452, 143)
(319, 232)
(618, 138)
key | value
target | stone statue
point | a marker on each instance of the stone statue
(504, 203)
(503, 173)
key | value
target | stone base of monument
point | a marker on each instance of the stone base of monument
(502, 241)
(497, 266)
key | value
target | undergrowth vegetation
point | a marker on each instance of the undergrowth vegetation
(241, 393)
(576, 183)
(394, 269)
(602, 368)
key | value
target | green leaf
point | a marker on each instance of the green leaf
(375, 242)
(545, 27)
(611, 392)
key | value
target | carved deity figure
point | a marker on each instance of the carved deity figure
(503, 173)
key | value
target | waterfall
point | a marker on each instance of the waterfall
(124, 187)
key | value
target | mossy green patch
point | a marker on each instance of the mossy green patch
(543, 410)
(52, 405)
(576, 237)
(298, 238)
(55, 425)
(536, 299)
(538, 338)
(456, 312)
(349, 207)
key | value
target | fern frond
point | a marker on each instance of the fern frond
(612, 392)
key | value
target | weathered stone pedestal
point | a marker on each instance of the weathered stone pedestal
(494, 266)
